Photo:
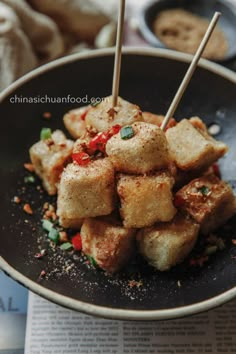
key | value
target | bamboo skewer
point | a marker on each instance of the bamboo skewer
(190, 71)
(118, 54)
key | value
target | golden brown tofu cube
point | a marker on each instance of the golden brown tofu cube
(86, 191)
(146, 151)
(208, 200)
(103, 116)
(75, 122)
(166, 244)
(145, 199)
(70, 223)
(220, 147)
(108, 242)
(49, 157)
(193, 148)
(157, 119)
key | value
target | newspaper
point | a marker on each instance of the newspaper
(52, 329)
(13, 307)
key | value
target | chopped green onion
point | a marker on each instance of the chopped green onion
(204, 190)
(47, 225)
(29, 179)
(66, 246)
(46, 133)
(126, 133)
(210, 250)
(92, 261)
(95, 103)
(53, 235)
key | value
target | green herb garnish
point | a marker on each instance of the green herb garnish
(66, 246)
(29, 179)
(210, 250)
(53, 235)
(92, 261)
(126, 133)
(47, 225)
(46, 133)
(95, 103)
(204, 190)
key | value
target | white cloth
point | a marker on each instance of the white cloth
(37, 31)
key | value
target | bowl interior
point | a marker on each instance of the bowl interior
(149, 81)
(199, 7)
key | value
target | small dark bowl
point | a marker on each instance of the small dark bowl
(202, 8)
(149, 78)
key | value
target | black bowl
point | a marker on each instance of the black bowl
(199, 7)
(149, 78)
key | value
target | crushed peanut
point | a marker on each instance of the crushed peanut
(27, 208)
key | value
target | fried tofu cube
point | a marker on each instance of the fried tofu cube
(70, 223)
(104, 116)
(145, 199)
(208, 200)
(49, 158)
(166, 244)
(157, 119)
(75, 122)
(192, 148)
(86, 191)
(108, 242)
(146, 151)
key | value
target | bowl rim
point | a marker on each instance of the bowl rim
(154, 41)
(101, 311)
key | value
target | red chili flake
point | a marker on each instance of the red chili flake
(77, 242)
(115, 129)
(98, 143)
(81, 158)
(38, 255)
(29, 167)
(27, 208)
(42, 274)
(16, 200)
(47, 115)
(216, 170)
(178, 201)
(84, 114)
(234, 242)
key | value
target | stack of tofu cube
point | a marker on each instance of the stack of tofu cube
(125, 197)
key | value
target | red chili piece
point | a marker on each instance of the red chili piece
(178, 201)
(98, 143)
(77, 242)
(115, 129)
(216, 170)
(81, 158)
(84, 114)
